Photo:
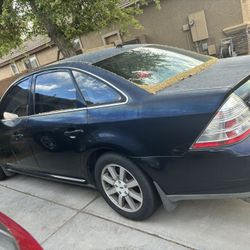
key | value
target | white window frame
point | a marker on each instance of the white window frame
(31, 58)
(17, 69)
(116, 32)
(78, 40)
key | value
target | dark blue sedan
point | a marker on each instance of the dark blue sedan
(142, 123)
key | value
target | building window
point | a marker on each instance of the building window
(113, 38)
(14, 69)
(77, 44)
(31, 63)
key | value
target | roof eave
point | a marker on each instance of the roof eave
(30, 52)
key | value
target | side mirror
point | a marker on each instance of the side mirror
(9, 116)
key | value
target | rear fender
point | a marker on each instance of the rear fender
(115, 139)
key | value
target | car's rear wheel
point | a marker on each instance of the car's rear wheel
(125, 187)
(2, 174)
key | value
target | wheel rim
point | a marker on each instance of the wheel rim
(122, 188)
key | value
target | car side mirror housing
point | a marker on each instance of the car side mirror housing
(9, 116)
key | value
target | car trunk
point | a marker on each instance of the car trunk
(188, 106)
(224, 76)
(218, 82)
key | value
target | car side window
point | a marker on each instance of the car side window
(95, 91)
(16, 100)
(55, 91)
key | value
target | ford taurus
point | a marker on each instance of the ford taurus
(141, 123)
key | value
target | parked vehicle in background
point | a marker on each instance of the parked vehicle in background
(142, 123)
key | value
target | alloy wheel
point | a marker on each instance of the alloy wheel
(122, 188)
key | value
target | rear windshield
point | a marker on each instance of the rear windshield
(149, 65)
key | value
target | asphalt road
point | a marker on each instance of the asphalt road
(62, 216)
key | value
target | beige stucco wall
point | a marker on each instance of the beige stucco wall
(47, 55)
(44, 57)
(91, 40)
(5, 72)
(95, 39)
(165, 26)
(246, 10)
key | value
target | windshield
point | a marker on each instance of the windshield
(149, 65)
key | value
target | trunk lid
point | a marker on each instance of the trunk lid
(187, 107)
(223, 77)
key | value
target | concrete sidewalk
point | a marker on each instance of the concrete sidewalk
(62, 216)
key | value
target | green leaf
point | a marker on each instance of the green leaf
(61, 20)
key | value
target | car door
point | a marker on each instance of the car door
(58, 123)
(14, 136)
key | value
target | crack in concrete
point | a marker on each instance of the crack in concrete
(67, 221)
(139, 230)
(45, 199)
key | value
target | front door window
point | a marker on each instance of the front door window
(16, 101)
(14, 138)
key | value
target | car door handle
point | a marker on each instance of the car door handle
(73, 133)
(18, 136)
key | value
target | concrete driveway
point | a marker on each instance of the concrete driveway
(62, 216)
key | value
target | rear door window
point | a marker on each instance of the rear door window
(95, 91)
(55, 91)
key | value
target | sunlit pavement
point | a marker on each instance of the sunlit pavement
(62, 216)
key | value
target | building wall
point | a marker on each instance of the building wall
(165, 26)
(47, 55)
(91, 40)
(246, 10)
(5, 72)
(44, 57)
(97, 39)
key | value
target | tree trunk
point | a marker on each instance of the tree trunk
(1, 7)
(56, 36)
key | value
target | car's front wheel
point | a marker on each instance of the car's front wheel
(125, 187)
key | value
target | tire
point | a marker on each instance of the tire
(125, 187)
(2, 174)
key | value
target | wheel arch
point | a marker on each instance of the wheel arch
(95, 153)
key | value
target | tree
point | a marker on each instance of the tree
(1, 6)
(61, 20)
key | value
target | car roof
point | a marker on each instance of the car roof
(97, 56)
(100, 55)
(91, 58)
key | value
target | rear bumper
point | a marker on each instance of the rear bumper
(170, 201)
(203, 174)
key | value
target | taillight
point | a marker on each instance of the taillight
(230, 125)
